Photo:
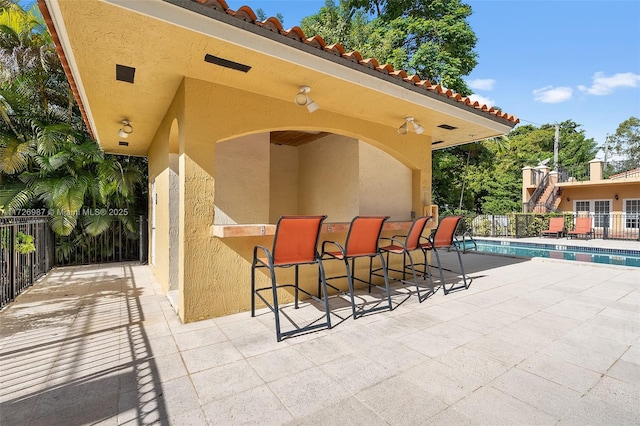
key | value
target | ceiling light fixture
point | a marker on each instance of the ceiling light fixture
(126, 129)
(404, 128)
(302, 98)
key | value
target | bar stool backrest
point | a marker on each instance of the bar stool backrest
(296, 239)
(446, 231)
(413, 236)
(364, 234)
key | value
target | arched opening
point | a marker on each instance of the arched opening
(261, 176)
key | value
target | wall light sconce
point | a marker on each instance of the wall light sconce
(404, 128)
(126, 129)
(568, 199)
(302, 98)
(616, 196)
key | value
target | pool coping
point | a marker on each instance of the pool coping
(561, 247)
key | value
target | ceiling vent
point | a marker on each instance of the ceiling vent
(447, 127)
(123, 143)
(125, 73)
(226, 63)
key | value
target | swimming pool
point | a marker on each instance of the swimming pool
(560, 251)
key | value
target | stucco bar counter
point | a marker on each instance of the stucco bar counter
(255, 230)
(244, 236)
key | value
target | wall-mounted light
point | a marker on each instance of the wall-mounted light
(568, 199)
(302, 98)
(404, 128)
(126, 129)
(616, 196)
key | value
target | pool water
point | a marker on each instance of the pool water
(558, 251)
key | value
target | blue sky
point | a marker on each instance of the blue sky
(542, 61)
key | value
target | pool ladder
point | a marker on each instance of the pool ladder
(466, 237)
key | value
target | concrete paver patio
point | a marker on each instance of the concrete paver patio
(530, 342)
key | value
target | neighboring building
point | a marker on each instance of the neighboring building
(613, 203)
(208, 95)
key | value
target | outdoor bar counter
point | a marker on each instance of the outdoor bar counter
(242, 238)
(255, 230)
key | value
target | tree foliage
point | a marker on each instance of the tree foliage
(626, 143)
(262, 16)
(47, 159)
(434, 39)
(430, 38)
(494, 175)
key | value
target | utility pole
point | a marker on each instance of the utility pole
(556, 143)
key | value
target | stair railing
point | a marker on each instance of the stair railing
(537, 193)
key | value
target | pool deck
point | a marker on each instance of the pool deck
(531, 342)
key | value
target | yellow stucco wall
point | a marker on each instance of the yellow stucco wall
(600, 191)
(283, 181)
(214, 273)
(242, 180)
(329, 178)
(336, 175)
(159, 172)
(384, 185)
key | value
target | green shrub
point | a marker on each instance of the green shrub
(24, 243)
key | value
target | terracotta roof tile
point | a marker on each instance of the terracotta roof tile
(247, 14)
(628, 173)
(335, 49)
(316, 41)
(353, 56)
(272, 24)
(295, 33)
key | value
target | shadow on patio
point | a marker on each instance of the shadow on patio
(538, 341)
(73, 350)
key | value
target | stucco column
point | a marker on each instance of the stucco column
(595, 169)
(197, 171)
(527, 180)
(196, 216)
(540, 172)
(422, 181)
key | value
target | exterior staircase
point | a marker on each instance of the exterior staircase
(546, 197)
(549, 200)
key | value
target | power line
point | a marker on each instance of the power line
(531, 122)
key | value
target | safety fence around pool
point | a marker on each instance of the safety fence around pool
(613, 226)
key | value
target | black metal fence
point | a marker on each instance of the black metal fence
(26, 251)
(613, 226)
(116, 244)
(29, 249)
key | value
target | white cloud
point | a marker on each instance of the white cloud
(552, 95)
(603, 85)
(482, 100)
(482, 84)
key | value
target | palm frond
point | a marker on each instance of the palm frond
(49, 138)
(75, 198)
(89, 150)
(63, 224)
(14, 154)
(130, 223)
(15, 197)
(96, 224)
